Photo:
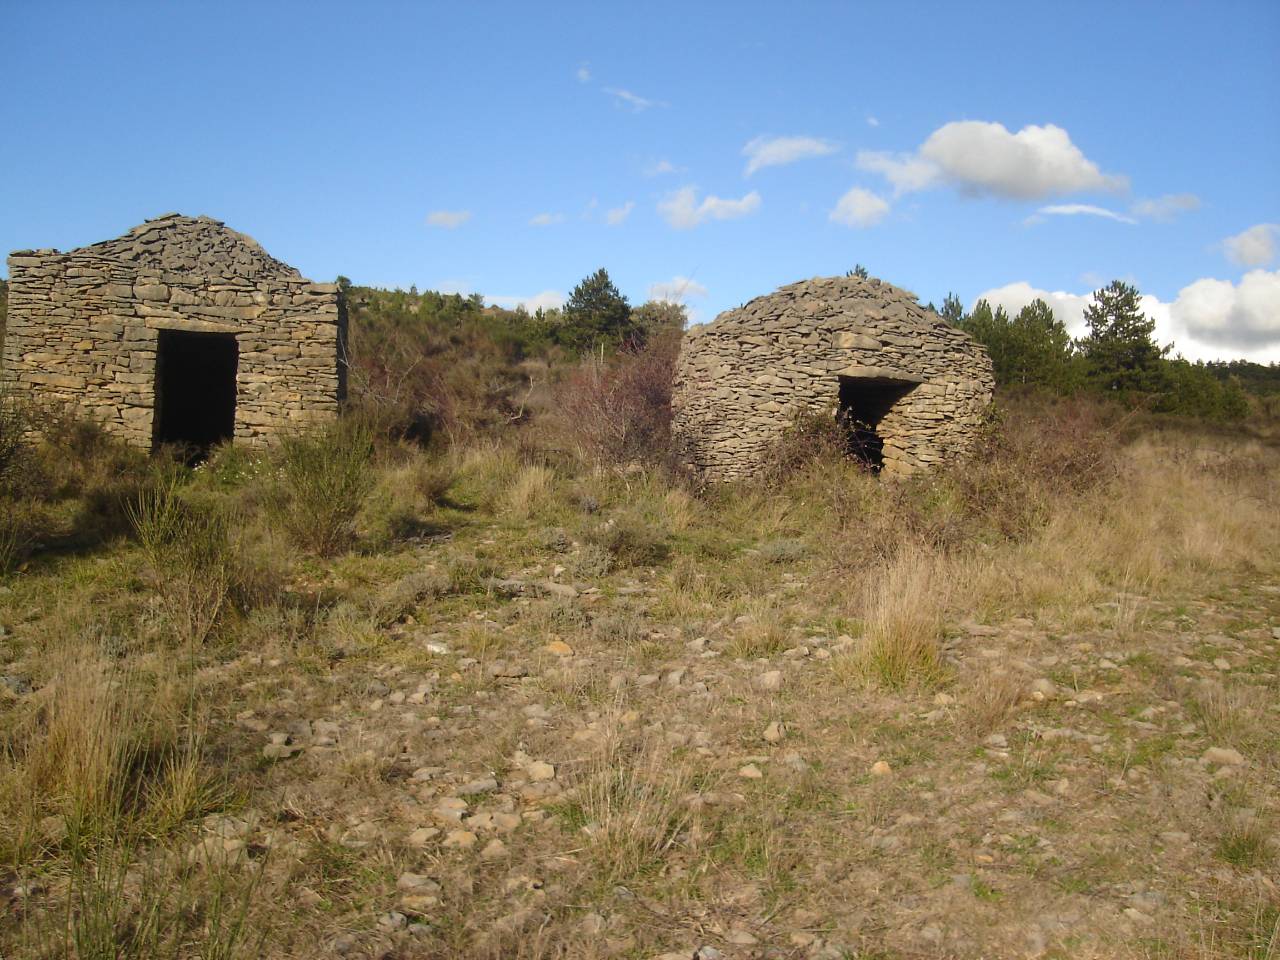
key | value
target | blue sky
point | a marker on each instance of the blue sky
(709, 151)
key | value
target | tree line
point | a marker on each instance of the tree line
(1117, 356)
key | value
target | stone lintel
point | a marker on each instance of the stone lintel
(881, 374)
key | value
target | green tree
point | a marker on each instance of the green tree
(1120, 350)
(952, 310)
(657, 317)
(858, 271)
(596, 313)
(1041, 351)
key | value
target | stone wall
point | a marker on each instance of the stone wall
(742, 379)
(83, 325)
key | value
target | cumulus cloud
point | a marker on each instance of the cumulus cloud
(1244, 315)
(546, 300)
(1208, 320)
(546, 219)
(449, 219)
(583, 73)
(616, 215)
(625, 98)
(1076, 209)
(859, 208)
(981, 158)
(682, 210)
(872, 121)
(1255, 247)
(1166, 208)
(677, 290)
(778, 151)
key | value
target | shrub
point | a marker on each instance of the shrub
(322, 478)
(631, 541)
(812, 436)
(14, 449)
(189, 547)
(616, 411)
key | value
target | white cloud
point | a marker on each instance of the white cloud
(658, 168)
(1244, 315)
(982, 158)
(682, 210)
(860, 208)
(1255, 247)
(632, 100)
(778, 151)
(907, 173)
(1077, 209)
(1163, 209)
(1209, 320)
(616, 215)
(546, 300)
(872, 121)
(677, 290)
(583, 73)
(546, 219)
(449, 219)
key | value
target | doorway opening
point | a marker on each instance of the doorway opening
(195, 390)
(864, 401)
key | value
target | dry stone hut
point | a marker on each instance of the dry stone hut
(181, 331)
(910, 388)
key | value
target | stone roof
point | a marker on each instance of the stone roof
(826, 301)
(191, 245)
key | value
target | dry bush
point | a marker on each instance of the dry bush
(1027, 466)
(15, 451)
(631, 540)
(813, 437)
(616, 411)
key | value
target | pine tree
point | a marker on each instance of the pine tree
(952, 310)
(1120, 350)
(596, 313)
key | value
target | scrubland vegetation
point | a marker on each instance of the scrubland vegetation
(476, 672)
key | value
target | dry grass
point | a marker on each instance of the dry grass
(635, 804)
(902, 615)
(675, 819)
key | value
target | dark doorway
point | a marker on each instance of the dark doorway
(863, 404)
(195, 390)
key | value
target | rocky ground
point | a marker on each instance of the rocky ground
(489, 744)
(616, 787)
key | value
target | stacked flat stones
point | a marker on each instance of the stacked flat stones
(83, 325)
(744, 377)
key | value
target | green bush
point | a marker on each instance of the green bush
(189, 547)
(321, 481)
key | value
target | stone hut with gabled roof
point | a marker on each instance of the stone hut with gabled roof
(910, 389)
(181, 331)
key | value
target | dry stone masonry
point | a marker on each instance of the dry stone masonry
(912, 387)
(181, 330)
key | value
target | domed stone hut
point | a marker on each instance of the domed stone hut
(181, 331)
(909, 388)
